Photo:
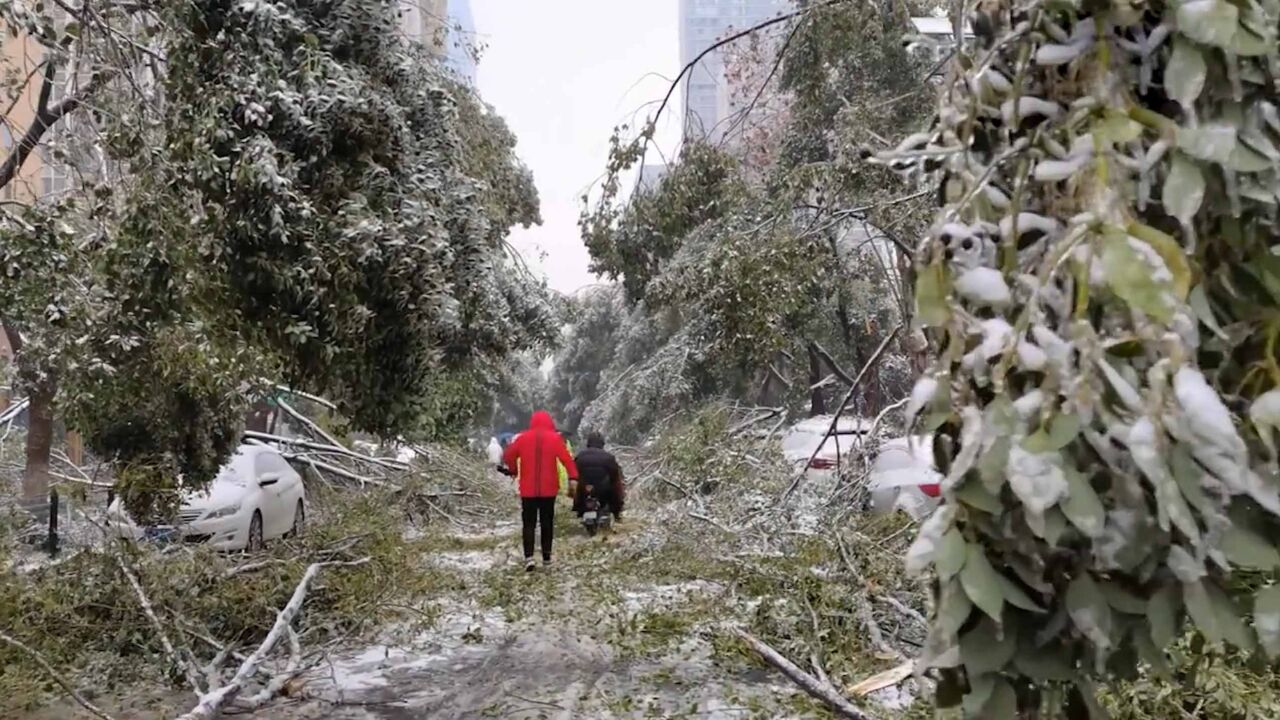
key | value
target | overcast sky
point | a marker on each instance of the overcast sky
(563, 73)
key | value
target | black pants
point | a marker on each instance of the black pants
(606, 497)
(532, 512)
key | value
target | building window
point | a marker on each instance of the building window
(6, 146)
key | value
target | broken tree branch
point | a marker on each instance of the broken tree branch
(53, 675)
(765, 414)
(306, 396)
(211, 703)
(308, 423)
(864, 612)
(713, 521)
(389, 463)
(903, 608)
(14, 410)
(838, 371)
(810, 684)
(189, 671)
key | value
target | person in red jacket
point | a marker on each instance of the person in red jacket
(535, 456)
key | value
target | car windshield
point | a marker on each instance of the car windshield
(229, 474)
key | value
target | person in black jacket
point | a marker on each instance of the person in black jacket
(598, 468)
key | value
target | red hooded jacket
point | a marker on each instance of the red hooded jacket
(534, 454)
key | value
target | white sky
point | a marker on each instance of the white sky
(563, 73)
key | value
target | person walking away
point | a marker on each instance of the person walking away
(534, 456)
(494, 451)
(599, 469)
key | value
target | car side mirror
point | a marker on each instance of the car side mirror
(268, 479)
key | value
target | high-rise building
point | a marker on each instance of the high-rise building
(702, 23)
(447, 28)
(460, 42)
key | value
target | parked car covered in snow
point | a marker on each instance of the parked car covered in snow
(903, 477)
(801, 441)
(255, 497)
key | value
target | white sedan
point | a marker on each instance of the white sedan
(810, 443)
(904, 478)
(256, 497)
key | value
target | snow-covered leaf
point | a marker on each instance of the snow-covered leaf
(1089, 610)
(1062, 429)
(1082, 506)
(1184, 565)
(977, 496)
(1162, 615)
(1212, 22)
(1247, 549)
(954, 607)
(984, 286)
(993, 462)
(1058, 170)
(1015, 596)
(1248, 44)
(1003, 703)
(1122, 600)
(1245, 159)
(1185, 74)
(1205, 412)
(1117, 128)
(950, 555)
(1183, 189)
(1173, 255)
(931, 296)
(1265, 415)
(1215, 615)
(922, 552)
(1036, 478)
(1134, 279)
(988, 647)
(970, 445)
(1212, 143)
(1147, 448)
(1199, 303)
(1051, 54)
(981, 582)
(1266, 619)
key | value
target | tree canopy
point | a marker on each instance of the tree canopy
(289, 192)
(764, 261)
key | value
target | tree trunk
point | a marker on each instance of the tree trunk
(75, 447)
(817, 404)
(259, 417)
(35, 476)
(914, 342)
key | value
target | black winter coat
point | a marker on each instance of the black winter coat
(598, 467)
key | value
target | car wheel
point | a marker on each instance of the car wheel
(255, 542)
(299, 521)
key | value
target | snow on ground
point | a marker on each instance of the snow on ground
(664, 596)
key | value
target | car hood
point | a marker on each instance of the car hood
(219, 494)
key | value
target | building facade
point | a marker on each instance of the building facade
(19, 57)
(447, 28)
(934, 38)
(702, 23)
